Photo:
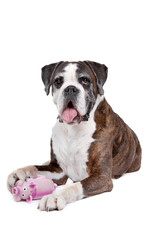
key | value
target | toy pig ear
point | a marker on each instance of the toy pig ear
(29, 199)
(32, 184)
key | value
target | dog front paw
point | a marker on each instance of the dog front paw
(59, 199)
(52, 202)
(20, 174)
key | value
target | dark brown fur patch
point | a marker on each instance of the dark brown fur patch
(115, 151)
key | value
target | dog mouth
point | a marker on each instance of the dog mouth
(70, 114)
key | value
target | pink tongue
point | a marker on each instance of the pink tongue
(69, 114)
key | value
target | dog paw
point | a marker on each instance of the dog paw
(20, 174)
(52, 202)
(59, 199)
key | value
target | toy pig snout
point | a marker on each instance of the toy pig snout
(16, 191)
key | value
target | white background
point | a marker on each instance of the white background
(125, 35)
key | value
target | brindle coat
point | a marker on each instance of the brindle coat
(115, 151)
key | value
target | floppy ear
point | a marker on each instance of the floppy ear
(29, 199)
(100, 71)
(47, 74)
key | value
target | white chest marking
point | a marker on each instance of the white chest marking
(71, 144)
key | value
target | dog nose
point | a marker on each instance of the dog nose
(71, 90)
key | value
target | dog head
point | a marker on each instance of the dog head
(75, 86)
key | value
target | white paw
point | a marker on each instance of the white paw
(59, 199)
(20, 174)
(54, 201)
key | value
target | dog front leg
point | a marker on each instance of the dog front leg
(96, 184)
(90, 186)
(51, 170)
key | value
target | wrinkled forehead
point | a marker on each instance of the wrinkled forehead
(73, 70)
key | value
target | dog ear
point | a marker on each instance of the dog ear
(47, 73)
(101, 72)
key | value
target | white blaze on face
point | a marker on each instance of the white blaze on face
(70, 78)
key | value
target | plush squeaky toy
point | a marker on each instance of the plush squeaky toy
(33, 188)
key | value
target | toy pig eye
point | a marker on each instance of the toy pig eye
(24, 189)
(23, 195)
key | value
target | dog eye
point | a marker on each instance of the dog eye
(58, 82)
(84, 81)
(24, 189)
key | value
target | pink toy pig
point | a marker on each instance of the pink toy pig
(33, 188)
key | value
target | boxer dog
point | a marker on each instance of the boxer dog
(90, 143)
